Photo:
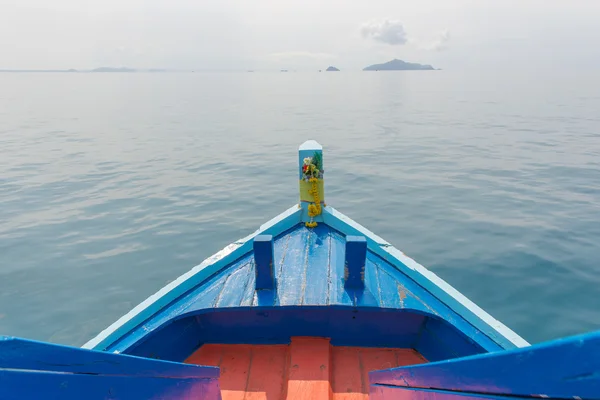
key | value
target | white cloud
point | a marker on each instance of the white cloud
(387, 31)
(392, 32)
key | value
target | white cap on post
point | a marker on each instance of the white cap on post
(312, 190)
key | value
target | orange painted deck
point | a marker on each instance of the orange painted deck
(307, 369)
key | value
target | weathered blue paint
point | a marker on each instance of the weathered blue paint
(275, 325)
(434, 285)
(292, 270)
(356, 258)
(263, 260)
(564, 368)
(317, 271)
(309, 268)
(381, 392)
(368, 295)
(234, 286)
(31, 369)
(337, 293)
(437, 343)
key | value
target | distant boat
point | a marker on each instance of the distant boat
(284, 70)
(310, 306)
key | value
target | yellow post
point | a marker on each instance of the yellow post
(312, 189)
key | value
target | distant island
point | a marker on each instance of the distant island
(332, 69)
(398, 65)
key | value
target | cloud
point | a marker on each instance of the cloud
(387, 31)
(392, 32)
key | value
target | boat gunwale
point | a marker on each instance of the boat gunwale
(437, 287)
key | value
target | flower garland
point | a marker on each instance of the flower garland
(311, 172)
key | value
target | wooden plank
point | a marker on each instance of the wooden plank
(293, 270)
(234, 287)
(564, 368)
(376, 359)
(23, 354)
(407, 357)
(347, 379)
(250, 289)
(338, 295)
(207, 354)
(272, 367)
(317, 272)
(267, 380)
(310, 369)
(235, 367)
(390, 297)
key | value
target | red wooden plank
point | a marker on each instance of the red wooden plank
(408, 357)
(235, 367)
(208, 354)
(268, 374)
(310, 369)
(347, 381)
(373, 359)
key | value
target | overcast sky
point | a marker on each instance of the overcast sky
(297, 34)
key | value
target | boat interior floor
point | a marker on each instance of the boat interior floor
(307, 368)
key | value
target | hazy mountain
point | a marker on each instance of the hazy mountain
(398, 65)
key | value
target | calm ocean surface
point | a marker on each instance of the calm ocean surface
(111, 185)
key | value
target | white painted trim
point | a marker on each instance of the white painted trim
(310, 145)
